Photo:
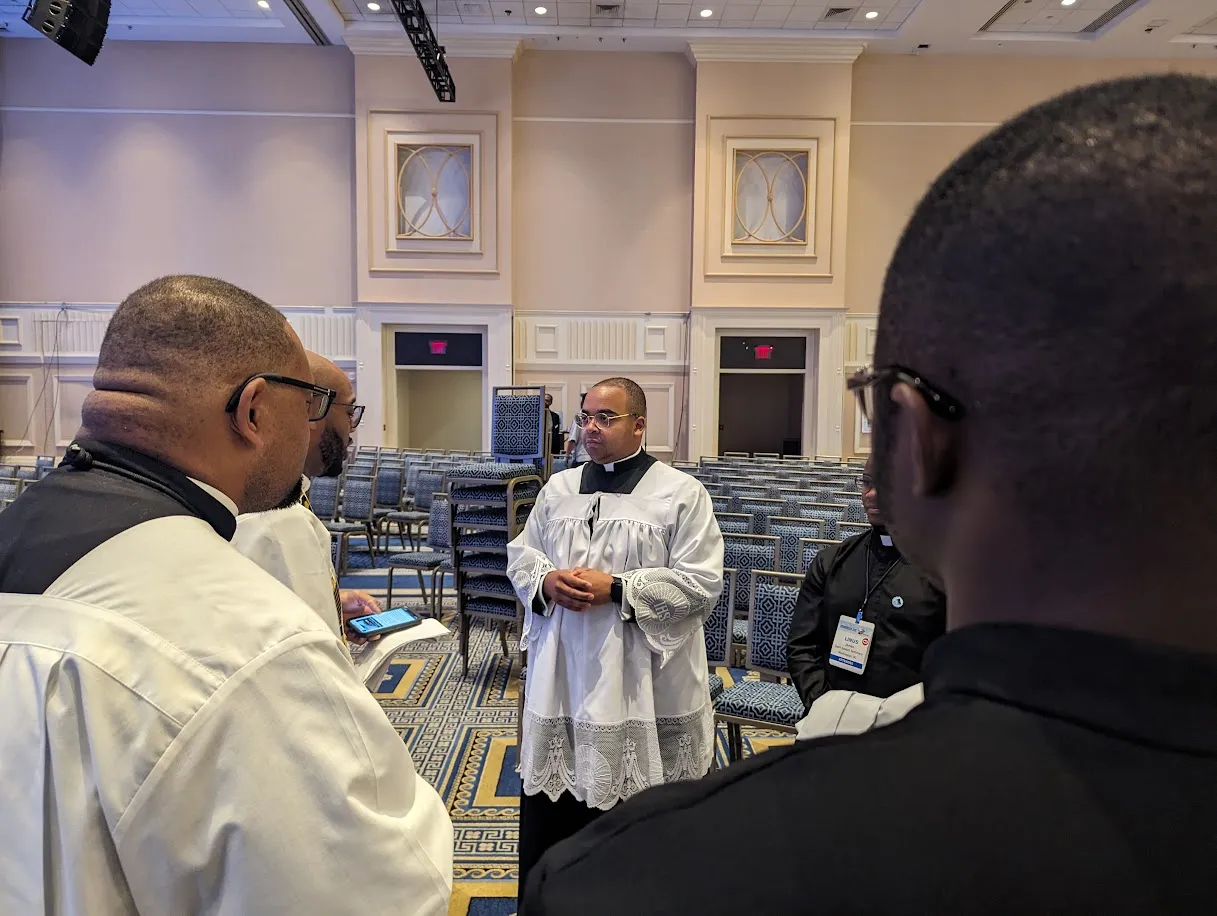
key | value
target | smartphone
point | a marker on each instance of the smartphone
(390, 621)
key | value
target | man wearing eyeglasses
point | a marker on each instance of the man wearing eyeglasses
(617, 567)
(290, 542)
(180, 733)
(864, 617)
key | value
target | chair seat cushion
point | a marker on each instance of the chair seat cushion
(405, 515)
(493, 562)
(716, 686)
(343, 527)
(417, 559)
(490, 470)
(491, 607)
(490, 517)
(485, 540)
(739, 632)
(495, 494)
(496, 585)
(762, 701)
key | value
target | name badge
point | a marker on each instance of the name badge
(851, 645)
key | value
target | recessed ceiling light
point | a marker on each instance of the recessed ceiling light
(540, 11)
(374, 7)
(265, 4)
(872, 15)
(1068, 2)
(705, 14)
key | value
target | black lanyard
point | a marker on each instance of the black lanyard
(871, 588)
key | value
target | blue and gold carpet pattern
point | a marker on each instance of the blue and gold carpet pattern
(461, 733)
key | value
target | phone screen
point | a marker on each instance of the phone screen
(397, 618)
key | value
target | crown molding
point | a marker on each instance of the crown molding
(361, 39)
(784, 50)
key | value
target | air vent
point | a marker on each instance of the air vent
(474, 9)
(611, 10)
(1111, 15)
(839, 12)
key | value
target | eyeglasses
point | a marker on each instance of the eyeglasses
(866, 482)
(319, 402)
(355, 411)
(867, 381)
(603, 419)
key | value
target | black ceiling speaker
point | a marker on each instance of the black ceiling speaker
(78, 26)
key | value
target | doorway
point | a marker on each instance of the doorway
(762, 383)
(439, 409)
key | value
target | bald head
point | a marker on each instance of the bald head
(174, 353)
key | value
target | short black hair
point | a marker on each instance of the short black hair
(1060, 279)
(635, 398)
(195, 329)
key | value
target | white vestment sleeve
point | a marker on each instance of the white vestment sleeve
(287, 792)
(527, 564)
(669, 603)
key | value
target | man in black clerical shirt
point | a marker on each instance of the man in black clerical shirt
(864, 587)
(1044, 356)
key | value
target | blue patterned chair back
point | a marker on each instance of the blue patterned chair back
(734, 522)
(760, 508)
(27, 473)
(790, 531)
(517, 425)
(718, 623)
(10, 487)
(357, 498)
(439, 527)
(808, 548)
(744, 553)
(854, 511)
(723, 503)
(769, 613)
(429, 483)
(388, 486)
(849, 529)
(323, 496)
(44, 461)
(828, 514)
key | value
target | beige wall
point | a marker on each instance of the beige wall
(440, 408)
(132, 169)
(603, 177)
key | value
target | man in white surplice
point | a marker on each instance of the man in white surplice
(619, 563)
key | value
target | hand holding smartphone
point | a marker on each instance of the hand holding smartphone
(390, 621)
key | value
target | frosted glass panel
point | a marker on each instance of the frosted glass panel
(771, 197)
(434, 192)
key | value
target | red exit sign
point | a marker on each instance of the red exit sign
(439, 347)
(764, 351)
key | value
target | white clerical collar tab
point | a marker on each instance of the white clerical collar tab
(220, 497)
(613, 465)
(885, 540)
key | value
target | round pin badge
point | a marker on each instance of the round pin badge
(897, 601)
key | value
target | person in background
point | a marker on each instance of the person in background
(1044, 357)
(180, 733)
(618, 565)
(576, 452)
(864, 617)
(556, 446)
(290, 542)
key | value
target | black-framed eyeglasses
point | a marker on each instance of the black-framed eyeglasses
(319, 402)
(866, 482)
(355, 411)
(603, 419)
(867, 381)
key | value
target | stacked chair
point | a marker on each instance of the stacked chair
(518, 431)
(490, 506)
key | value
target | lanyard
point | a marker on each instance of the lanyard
(871, 588)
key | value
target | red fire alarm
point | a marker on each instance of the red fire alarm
(439, 347)
(764, 351)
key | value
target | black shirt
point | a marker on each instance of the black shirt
(1048, 771)
(908, 613)
(99, 491)
(555, 433)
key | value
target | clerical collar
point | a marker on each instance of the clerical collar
(202, 500)
(614, 467)
(882, 542)
(617, 477)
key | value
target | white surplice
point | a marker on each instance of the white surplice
(617, 697)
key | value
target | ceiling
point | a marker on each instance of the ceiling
(1081, 28)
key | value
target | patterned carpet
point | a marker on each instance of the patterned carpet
(461, 733)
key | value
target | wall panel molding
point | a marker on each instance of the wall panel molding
(614, 341)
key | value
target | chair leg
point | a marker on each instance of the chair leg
(371, 542)
(735, 742)
(464, 645)
(389, 597)
(438, 592)
(422, 587)
(503, 642)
